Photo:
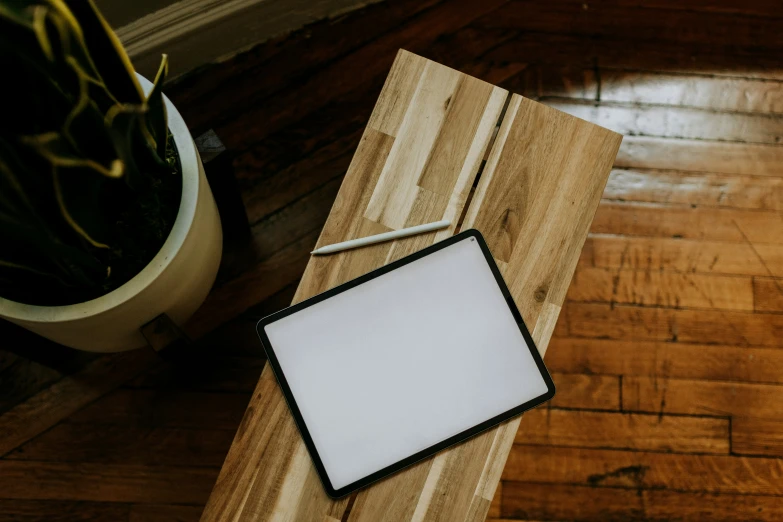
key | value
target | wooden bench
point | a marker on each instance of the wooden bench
(432, 133)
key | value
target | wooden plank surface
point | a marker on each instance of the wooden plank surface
(642, 470)
(682, 255)
(416, 162)
(702, 189)
(521, 236)
(532, 501)
(651, 432)
(604, 358)
(293, 111)
(409, 83)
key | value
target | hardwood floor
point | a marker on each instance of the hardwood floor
(667, 357)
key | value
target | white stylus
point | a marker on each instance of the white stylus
(379, 238)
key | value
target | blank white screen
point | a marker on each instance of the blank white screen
(404, 361)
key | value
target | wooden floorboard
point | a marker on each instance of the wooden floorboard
(667, 355)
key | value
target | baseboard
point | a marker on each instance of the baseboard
(198, 32)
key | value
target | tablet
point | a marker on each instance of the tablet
(394, 366)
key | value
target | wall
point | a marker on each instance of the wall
(197, 32)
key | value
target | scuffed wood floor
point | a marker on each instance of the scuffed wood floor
(668, 356)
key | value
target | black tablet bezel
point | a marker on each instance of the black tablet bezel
(397, 466)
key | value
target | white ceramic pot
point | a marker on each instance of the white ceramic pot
(175, 282)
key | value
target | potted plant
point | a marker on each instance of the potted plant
(106, 218)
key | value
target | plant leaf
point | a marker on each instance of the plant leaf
(12, 195)
(79, 195)
(35, 271)
(83, 127)
(40, 90)
(106, 51)
(71, 264)
(39, 28)
(15, 12)
(76, 55)
(121, 121)
(156, 117)
(56, 149)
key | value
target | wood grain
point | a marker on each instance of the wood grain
(164, 513)
(686, 221)
(703, 92)
(68, 395)
(757, 436)
(575, 390)
(682, 255)
(531, 501)
(416, 163)
(659, 55)
(767, 294)
(681, 78)
(100, 482)
(118, 443)
(666, 359)
(330, 83)
(376, 159)
(661, 324)
(609, 20)
(676, 122)
(61, 511)
(640, 470)
(165, 409)
(660, 395)
(523, 170)
(701, 156)
(645, 432)
(674, 290)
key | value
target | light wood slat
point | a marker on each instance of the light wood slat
(682, 255)
(533, 204)
(704, 189)
(395, 98)
(639, 470)
(397, 187)
(676, 122)
(495, 505)
(268, 473)
(536, 221)
(651, 432)
(701, 156)
(669, 289)
(666, 359)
